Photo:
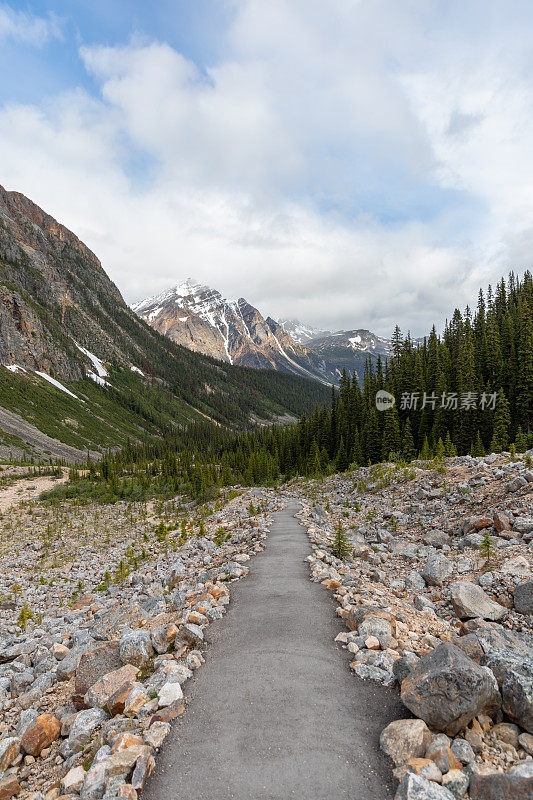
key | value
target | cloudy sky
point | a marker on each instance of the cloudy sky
(352, 163)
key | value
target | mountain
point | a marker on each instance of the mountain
(301, 333)
(356, 341)
(81, 368)
(200, 318)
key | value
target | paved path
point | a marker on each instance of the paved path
(275, 713)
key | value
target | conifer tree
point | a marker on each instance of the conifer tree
(408, 445)
(502, 420)
(391, 434)
(341, 460)
(341, 544)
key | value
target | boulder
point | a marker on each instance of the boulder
(525, 740)
(9, 750)
(523, 598)
(462, 751)
(437, 569)
(9, 787)
(456, 781)
(156, 734)
(501, 522)
(136, 648)
(100, 692)
(177, 573)
(169, 693)
(495, 786)
(415, 787)
(436, 538)
(72, 782)
(447, 689)
(470, 601)
(419, 766)
(163, 637)
(404, 739)
(84, 726)
(93, 664)
(523, 525)
(191, 634)
(40, 733)
(514, 673)
(141, 773)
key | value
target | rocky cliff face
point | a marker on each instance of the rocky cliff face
(198, 317)
(53, 293)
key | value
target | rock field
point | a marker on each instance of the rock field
(103, 611)
(437, 598)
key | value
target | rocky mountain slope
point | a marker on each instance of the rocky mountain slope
(302, 333)
(198, 317)
(79, 365)
(201, 319)
(350, 349)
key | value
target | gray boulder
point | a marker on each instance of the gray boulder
(415, 787)
(447, 689)
(437, 569)
(470, 601)
(523, 525)
(514, 673)
(436, 539)
(404, 739)
(136, 648)
(84, 726)
(523, 598)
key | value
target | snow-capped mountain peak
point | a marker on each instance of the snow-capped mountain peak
(301, 333)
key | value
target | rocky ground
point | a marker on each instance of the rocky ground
(102, 613)
(436, 592)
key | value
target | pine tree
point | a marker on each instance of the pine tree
(449, 447)
(477, 448)
(341, 460)
(341, 545)
(391, 434)
(408, 445)
(502, 420)
(521, 440)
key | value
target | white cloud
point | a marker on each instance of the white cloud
(340, 164)
(27, 28)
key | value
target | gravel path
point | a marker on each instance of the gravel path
(275, 713)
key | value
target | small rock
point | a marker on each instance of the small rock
(169, 693)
